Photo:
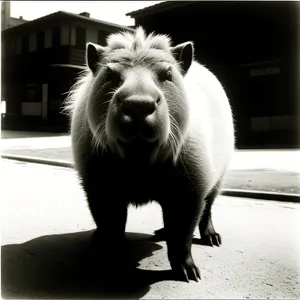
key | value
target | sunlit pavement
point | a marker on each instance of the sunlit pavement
(46, 228)
(268, 171)
(58, 147)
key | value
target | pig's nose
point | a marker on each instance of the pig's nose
(137, 106)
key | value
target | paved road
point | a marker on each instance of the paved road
(264, 170)
(59, 147)
(46, 228)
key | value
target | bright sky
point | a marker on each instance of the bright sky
(110, 11)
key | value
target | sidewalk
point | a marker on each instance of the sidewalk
(254, 170)
(46, 251)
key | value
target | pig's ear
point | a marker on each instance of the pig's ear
(94, 54)
(184, 54)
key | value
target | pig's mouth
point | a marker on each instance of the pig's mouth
(138, 143)
(137, 148)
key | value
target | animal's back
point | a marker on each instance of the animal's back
(211, 127)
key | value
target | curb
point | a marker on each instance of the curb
(31, 159)
(284, 197)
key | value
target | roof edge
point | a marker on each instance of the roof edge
(64, 13)
(159, 7)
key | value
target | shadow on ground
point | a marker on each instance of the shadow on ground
(66, 266)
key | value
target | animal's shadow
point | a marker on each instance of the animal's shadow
(66, 266)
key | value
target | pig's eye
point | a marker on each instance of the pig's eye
(169, 75)
(166, 75)
(112, 75)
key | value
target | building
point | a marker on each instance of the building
(253, 47)
(6, 20)
(40, 61)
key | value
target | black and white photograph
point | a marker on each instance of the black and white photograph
(150, 149)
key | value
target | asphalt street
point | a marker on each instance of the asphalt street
(46, 250)
(262, 170)
(58, 146)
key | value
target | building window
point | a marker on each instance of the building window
(12, 48)
(25, 44)
(18, 46)
(80, 37)
(40, 43)
(3, 107)
(7, 48)
(101, 38)
(56, 35)
(31, 93)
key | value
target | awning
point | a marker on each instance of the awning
(68, 66)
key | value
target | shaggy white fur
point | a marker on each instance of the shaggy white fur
(209, 130)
